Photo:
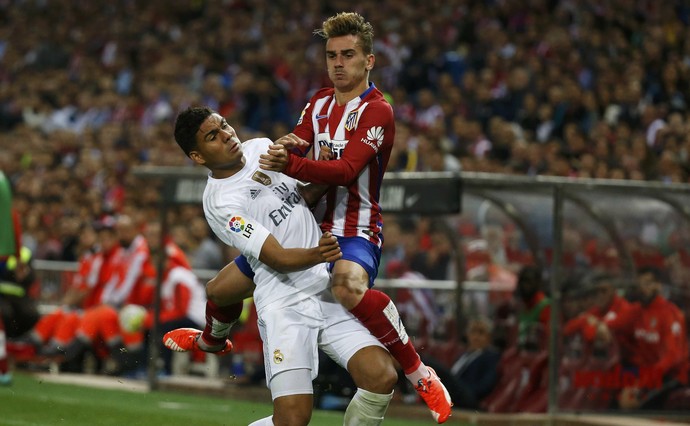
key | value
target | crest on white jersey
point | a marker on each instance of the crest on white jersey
(262, 178)
(351, 120)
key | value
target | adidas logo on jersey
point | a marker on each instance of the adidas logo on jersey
(254, 193)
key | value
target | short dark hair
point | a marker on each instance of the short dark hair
(345, 23)
(187, 125)
(654, 271)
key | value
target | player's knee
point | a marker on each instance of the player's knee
(388, 378)
(373, 370)
(213, 291)
(291, 414)
(348, 291)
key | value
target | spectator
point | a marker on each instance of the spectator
(609, 318)
(534, 308)
(475, 373)
(98, 251)
(205, 252)
(660, 356)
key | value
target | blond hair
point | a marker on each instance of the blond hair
(345, 23)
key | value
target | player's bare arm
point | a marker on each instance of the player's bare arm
(285, 260)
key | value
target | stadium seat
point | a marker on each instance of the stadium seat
(521, 376)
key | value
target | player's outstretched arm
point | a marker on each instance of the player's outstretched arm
(286, 260)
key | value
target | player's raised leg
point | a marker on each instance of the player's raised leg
(225, 293)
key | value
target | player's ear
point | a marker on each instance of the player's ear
(371, 59)
(197, 157)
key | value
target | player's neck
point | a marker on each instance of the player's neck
(344, 97)
(223, 173)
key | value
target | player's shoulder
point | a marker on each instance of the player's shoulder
(376, 97)
(255, 146)
(377, 106)
(324, 92)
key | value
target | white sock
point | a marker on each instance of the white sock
(366, 408)
(422, 372)
(266, 421)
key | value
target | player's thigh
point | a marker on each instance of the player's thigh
(290, 338)
(293, 397)
(350, 345)
(355, 272)
(230, 285)
(349, 273)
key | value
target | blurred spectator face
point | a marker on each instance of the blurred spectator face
(107, 239)
(199, 228)
(648, 286)
(87, 237)
(126, 231)
(180, 234)
(478, 334)
(529, 282)
(603, 295)
(153, 235)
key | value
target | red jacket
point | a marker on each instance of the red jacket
(619, 317)
(661, 344)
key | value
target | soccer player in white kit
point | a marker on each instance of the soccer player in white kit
(264, 215)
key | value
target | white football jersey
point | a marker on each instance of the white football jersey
(245, 208)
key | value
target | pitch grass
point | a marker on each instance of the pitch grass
(29, 401)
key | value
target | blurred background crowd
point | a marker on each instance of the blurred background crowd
(569, 88)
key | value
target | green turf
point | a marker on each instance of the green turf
(32, 402)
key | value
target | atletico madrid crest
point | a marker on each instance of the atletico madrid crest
(351, 120)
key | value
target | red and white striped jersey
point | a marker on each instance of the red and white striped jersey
(360, 135)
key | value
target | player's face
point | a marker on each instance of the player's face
(218, 147)
(348, 66)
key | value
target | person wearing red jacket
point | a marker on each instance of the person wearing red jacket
(611, 316)
(660, 358)
(58, 327)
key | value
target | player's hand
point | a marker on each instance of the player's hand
(275, 159)
(291, 141)
(329, 247)
(325, 153)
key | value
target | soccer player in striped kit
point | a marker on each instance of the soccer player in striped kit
(354, 123)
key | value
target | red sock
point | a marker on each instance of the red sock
(380, 316)
(219, 319)
(4, 367)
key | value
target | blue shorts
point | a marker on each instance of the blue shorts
(355, 249)
(363, 252)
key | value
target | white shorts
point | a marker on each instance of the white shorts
(293, 334)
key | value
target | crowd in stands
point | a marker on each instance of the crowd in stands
(580, 89)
